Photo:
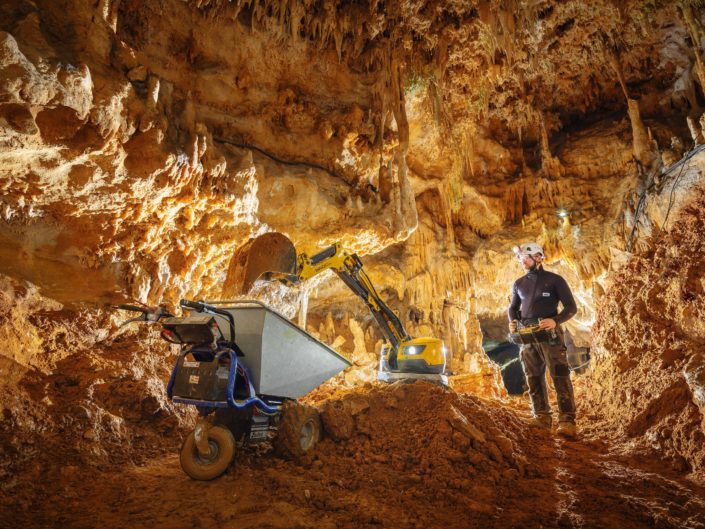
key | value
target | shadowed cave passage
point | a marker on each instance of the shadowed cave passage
(391, 154)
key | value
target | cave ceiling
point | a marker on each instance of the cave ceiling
(143, 142)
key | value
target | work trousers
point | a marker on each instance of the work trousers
(534, 360)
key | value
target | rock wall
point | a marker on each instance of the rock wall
(148, 163)
(141, 143)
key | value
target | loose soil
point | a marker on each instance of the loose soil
(405, 455)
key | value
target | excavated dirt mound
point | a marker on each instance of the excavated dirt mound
(648, 384)
(99, 408)
(429, 436)
(406, 455)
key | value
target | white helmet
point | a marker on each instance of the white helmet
(528, 248)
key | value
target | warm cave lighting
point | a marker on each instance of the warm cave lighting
(492, 210)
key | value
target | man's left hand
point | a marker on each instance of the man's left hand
(548, 323)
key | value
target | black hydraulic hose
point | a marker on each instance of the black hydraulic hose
(133, 308)
(393, 318)
(323, 254)
(385, 317)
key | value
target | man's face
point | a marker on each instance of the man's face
(529, 262)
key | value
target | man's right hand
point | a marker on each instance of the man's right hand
(513, 326)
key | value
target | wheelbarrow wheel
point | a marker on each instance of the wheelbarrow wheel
(299, 431)
(221, 444)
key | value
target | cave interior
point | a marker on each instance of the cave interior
(143, 144)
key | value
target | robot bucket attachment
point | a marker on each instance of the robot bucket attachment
(271, 253)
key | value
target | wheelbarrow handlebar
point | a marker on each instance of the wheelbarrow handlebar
(199, 306)
(196, 305)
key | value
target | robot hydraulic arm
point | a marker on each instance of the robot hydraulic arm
(349, 268)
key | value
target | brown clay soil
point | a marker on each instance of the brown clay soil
(647, 383)
(405, 455)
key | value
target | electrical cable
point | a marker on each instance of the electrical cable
(638, 209)
(275, 158)
(642, 197)
(671, 199)
(576, 368)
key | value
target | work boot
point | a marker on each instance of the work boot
(567, 429)
(541, 421)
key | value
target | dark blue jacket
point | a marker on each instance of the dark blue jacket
(537, 295)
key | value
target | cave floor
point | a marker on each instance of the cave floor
(574, 484)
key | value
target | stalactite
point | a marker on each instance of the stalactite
(617, 67)
(695, 30)
(550, 165)
(408, 215)
(520, 135)
(449, 209)
(515, 201)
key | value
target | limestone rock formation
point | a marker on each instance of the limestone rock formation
(141, 143)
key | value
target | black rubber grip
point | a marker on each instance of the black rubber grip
(133, 308)
(196, 305)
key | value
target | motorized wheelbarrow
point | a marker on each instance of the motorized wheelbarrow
(243, 365)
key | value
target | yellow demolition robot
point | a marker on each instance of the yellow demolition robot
(402, 356)
(403, 353)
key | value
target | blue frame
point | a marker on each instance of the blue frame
(230, 401)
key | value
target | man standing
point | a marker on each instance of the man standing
(535, 298)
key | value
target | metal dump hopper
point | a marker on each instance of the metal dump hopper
(284, 360)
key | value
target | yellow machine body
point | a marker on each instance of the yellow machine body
(420, 355)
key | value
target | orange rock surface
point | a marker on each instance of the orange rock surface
(142, 143)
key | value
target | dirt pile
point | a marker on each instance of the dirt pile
(648, 381)
(100, 406)
(399, 456)
(433, 419)
(425, 443)
(439, 457)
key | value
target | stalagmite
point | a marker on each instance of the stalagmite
(143, 143)
(645, 150)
